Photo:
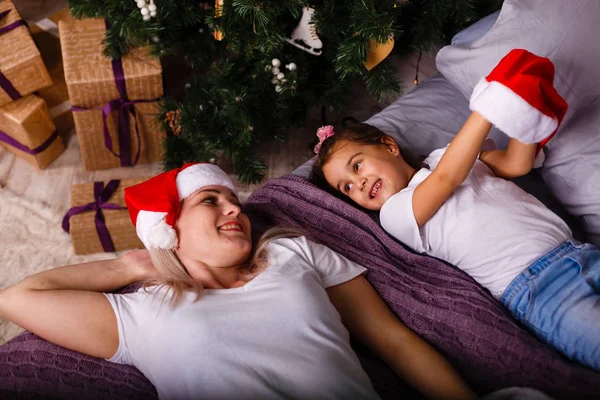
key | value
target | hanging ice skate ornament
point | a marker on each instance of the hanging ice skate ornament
(378, 52)
(519, 98)
(305, 35)
(148, 10)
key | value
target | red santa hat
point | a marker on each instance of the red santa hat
(519, 98)
(154, 204)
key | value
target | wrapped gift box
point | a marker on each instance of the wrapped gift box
(93, 82)
(45, 35)
(87, 238)
(27, 130)
(22, 70)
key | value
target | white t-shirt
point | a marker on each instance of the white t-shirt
(488, 227)
(276, 337)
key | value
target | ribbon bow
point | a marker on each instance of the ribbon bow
(101, 194)
(4, 82)
(125, 107)
(323, 133)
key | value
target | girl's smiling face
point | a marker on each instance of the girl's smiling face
(368, 174)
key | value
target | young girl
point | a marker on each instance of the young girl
(221, 319)
(459, 208)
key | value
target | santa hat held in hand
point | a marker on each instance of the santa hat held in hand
(154, 204)
(519, 98)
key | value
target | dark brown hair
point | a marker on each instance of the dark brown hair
(360, 133)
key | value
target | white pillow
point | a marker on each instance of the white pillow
(567, 32)
(475, 31)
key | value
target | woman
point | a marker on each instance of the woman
(218, 318)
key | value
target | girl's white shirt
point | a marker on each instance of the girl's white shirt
(276, 337)
(489, 227)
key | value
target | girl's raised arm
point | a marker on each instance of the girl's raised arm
(66, 306)
(369, 319)
(453, 168)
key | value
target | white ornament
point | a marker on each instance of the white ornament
(274, 81)
(291, 66)
(280, 75)
(148, 10)
(250, 128)
(284, 80)
(278, 89)
(275, 71)
(155, 39)
(305, 35)
(276, 62)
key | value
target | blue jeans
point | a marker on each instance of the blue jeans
(558, 299)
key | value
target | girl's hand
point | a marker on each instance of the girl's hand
(141, 263)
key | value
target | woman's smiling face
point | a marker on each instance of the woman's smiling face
(368, 174)
(212, 229)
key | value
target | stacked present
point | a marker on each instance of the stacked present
(56, 96)
(26, 128)
(98, 219)
(64, 82)
(114, 108)
(115, 102)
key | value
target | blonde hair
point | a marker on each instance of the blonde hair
(175, 277)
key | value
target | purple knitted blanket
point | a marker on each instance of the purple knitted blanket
(438, 301)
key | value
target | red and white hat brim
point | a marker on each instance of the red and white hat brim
(197, 176)
(154, 205)
(510, 113)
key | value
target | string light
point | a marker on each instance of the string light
(416, 81)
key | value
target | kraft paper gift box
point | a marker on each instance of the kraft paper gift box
(98, 220)
(45, 35)
(27, 130)
(131, 86)
(22, 70)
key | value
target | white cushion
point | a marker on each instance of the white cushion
(475, 31)
(566, 32)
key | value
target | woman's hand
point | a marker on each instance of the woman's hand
(141, 264)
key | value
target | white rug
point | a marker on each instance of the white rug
(31, 240)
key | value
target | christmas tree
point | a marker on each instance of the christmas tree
(257, 65)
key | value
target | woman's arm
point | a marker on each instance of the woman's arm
(369, 319)
(517, 160)
(451, 171)
(66, 306)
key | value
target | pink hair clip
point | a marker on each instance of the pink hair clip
(323, 133)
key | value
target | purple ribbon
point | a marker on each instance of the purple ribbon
(101, 194)
(4, 82)
(125, 107)
(12, 142)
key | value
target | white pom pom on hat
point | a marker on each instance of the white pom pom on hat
(154, 204)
